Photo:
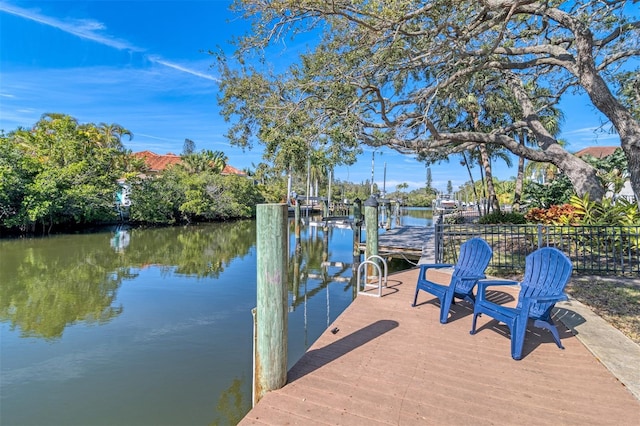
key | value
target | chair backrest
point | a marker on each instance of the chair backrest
(475, 255)
(546, 273)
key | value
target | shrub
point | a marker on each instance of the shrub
(500, 217)
(555, 215)
(454, 219)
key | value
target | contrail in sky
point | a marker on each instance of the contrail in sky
(83, 28)
(88, 29)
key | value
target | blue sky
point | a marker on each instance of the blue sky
(143, 64)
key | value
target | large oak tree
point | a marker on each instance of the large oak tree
(393, 72)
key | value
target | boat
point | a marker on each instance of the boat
(445, 204)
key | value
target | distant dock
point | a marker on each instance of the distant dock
(413, 243)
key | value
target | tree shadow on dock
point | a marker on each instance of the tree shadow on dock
(316, 358)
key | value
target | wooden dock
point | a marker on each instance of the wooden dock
(393, 364)
(414, 243)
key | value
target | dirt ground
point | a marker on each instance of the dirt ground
(615, 299)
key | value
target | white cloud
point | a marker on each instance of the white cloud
(84, 28)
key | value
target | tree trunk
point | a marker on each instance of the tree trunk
(632, 149)
(473, 184)
(486, 164)
(627, 126)
(517, 195)
(582, 176)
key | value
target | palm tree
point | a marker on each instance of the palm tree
(111, 136)
(205, 160)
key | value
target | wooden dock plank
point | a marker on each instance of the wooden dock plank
(412, 242)
(391, 364)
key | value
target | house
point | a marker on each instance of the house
(157, 163)
(602, 152)
(597, 151)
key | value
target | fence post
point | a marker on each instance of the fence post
(539, 235)
(270, 363)
(438, 236)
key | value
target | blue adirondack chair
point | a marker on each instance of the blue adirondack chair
(547, 272)
(475, 255)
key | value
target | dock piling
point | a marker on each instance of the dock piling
(270, 355)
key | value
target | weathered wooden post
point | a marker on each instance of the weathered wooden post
(357, 210)
(270, 356)
(356, 226)
(371, 224)
(387, 206)
(296, 218)
(325, 208)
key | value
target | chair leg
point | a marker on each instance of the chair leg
(473, 323)
(445, 305)
(549, 325)
(415, 298)
(518, 332)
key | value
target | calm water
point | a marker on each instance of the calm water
(151, 326)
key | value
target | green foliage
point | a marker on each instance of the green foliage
(203, 161)
(216, 197)
(178, 196)
(156, 200)
(557, 192)
(629, 91)
(612, 170)
(500, 217)
(60, 172)
(607, 212)
(454, 219)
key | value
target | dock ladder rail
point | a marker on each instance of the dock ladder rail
(363, 286)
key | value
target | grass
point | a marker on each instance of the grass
(616, 300)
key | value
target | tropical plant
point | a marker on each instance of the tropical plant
(556, 192)
(605, 212)
(564, 214)
(205, 160)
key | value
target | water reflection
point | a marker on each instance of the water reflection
(151, 326)
(233, 404)
(47, 284)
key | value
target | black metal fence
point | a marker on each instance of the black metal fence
(608, 250)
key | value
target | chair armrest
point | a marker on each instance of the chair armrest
(471, 277)
(552, 298)
(486, 283)
(426, 266)
(483, 284)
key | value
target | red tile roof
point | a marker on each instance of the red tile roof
(158, 163)
(230, 170)
(597, 151)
